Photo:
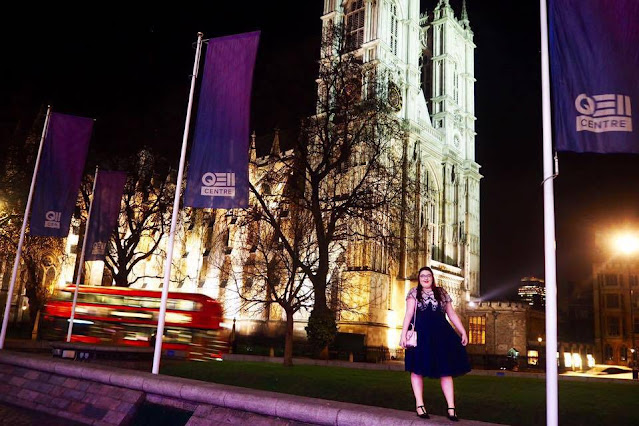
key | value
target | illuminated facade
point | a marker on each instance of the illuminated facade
(615, 302)
(430, 58)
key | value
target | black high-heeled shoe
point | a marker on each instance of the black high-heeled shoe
(454, 417)
(424, 413)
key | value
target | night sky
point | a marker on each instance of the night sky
(130, 69)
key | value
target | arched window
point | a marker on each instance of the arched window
(355, 23)
(623, 354)
(49, 274)
(394, 28)
(455, 83)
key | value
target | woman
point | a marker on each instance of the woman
(440, 352)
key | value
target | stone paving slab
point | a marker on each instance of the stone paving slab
(17, 416)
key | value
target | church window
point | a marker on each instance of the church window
(477, 330)
(455, 84)
(440, 83)
(330, 6)
(227, 237)
(225, 273)
(394, 25)
(355, 23)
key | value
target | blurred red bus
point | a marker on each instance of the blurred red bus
(128, 316)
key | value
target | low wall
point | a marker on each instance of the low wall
(98, 395)
(64, 395)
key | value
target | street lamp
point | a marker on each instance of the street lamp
(627, 243)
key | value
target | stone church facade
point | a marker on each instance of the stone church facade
(429, 58)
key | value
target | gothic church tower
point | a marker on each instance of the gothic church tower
(428, 58)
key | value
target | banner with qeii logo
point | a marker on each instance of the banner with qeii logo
(218, 185)
(58, 180)
(218, 166)
(594, 65)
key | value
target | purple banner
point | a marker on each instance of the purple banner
(58, 180)
(104, 213)
(218, 167)
(594, 62)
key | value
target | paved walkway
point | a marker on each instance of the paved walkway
(17, 416)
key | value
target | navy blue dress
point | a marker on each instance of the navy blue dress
(439, 352)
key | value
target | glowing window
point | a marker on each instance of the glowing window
(477, 330)
(567, 359)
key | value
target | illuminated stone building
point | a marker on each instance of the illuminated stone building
(615, 300)
(430, 60)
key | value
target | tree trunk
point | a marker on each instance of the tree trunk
(288, 340)
(121, 280)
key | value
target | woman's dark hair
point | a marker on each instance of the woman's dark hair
(435, 288)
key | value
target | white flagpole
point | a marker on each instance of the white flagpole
(549, 229)
(16, 262)
(81, 265)
(176, 205)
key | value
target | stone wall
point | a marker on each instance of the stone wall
(506, 327)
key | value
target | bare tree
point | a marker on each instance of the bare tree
(144, 216)
(345, 173)
(271, 275)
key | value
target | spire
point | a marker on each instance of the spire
(443, 9)
(275, 149)
(464, 17)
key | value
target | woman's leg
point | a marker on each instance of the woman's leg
(449, 390)
(417, 383)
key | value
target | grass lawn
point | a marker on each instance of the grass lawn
(508, 400)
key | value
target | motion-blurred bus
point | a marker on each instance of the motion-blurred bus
(127, 316)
